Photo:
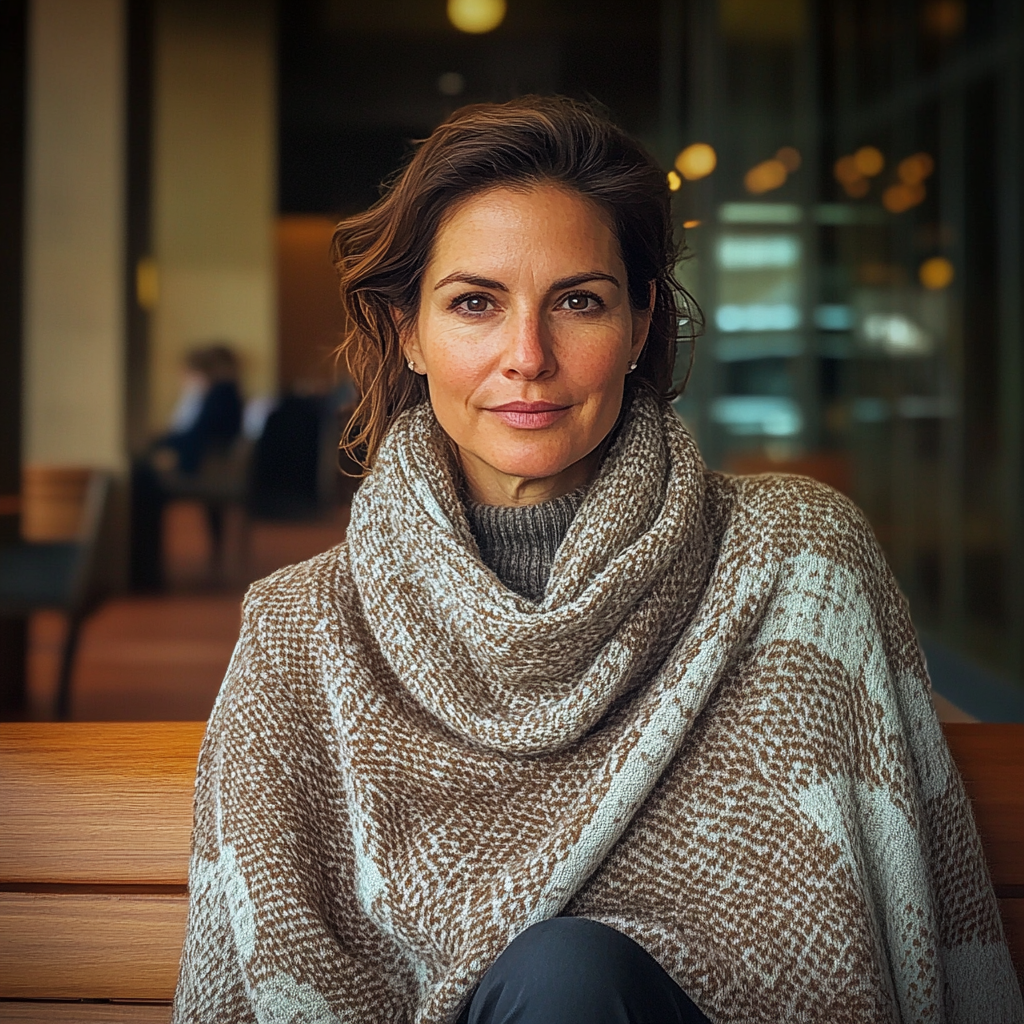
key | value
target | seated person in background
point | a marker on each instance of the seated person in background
(206, 420)
(208, 415)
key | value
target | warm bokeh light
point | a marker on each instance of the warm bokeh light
(767, 175)
(936, 273)
(691, 224)
(696, 161)
(901, 197)
(912, 170)
(945, 18)
(869, 161)
(476, 16)
(147, 284)
(674, 181)
(789, 157)
(845, 170)
(850, 172)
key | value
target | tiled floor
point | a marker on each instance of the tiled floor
(163, 658)
(151, 658)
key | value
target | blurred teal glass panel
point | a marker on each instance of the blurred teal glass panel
(757, 252)
(833, 317)
(839, 214)
(760, 213)
(757, 415)
(781, 316)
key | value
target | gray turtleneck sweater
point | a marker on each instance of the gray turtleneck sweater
(518, 543)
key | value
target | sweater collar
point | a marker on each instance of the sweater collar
(493, 666)
(518, 543)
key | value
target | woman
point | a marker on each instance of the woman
(571, 729)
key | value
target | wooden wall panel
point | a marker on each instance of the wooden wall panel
(90, 946)
(990, 757)
(97, 802)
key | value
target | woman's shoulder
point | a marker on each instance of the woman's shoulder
(796, 514)
(299, 598)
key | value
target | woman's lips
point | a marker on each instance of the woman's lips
(529, 415)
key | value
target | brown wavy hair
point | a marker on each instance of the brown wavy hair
(381, 254)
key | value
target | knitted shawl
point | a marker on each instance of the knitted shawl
(714, 734)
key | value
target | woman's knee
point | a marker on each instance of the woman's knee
(572, 951)
(569, 970)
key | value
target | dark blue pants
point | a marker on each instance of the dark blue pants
(570, 970)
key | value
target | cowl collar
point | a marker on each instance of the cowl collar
(493, 667)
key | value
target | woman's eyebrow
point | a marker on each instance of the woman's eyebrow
(477, 282)
(577, 279)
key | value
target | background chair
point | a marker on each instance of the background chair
(59, 575)
(221, 483)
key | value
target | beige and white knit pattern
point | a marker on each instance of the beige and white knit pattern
(714, 733)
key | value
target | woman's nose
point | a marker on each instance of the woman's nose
(528, 354)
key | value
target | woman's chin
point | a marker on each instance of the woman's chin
(531, 466)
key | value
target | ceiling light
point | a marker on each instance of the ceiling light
(476, 16)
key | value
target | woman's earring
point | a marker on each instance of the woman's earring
(632, 367)
(412, 366)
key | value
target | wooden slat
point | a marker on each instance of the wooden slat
(72, 946)
(73, 792)
(85, 1013)
(990, 757)
(97, 802)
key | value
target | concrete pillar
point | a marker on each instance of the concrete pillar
(214, 190)
(74, 228)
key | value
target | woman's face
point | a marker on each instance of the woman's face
(525, 334)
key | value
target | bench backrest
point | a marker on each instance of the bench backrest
(94, 846)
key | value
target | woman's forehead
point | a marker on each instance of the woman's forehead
(546, 224)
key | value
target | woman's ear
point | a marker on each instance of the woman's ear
(642, 324)
(408, 337)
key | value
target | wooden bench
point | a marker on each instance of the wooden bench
(94, 841)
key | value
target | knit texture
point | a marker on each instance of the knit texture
(713, 733)
(518, 543)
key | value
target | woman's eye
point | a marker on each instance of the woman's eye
(580, 303)
(474, 303)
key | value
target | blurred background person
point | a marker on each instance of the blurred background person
(208, 415)
(206, 422)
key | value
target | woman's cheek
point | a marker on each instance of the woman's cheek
(597, 364)
(461, 377)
